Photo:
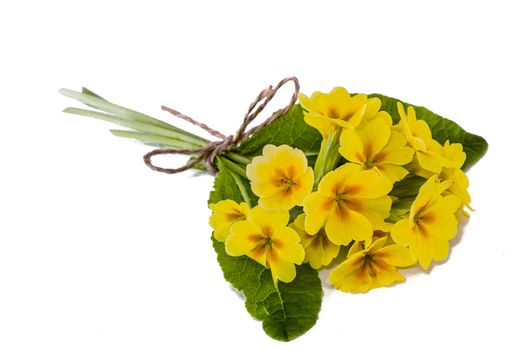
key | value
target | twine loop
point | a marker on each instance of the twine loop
(209, 152)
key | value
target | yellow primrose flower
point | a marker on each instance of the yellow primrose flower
(224, 214)
(280, 177)
(319, 251)
(419, 137)
(373, 106)
(453, 152)
(374, 145)
(372, 267)
(335, 109)
(265, 238)
(431, 223)
(350, 203)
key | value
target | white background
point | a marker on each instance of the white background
(99, 252)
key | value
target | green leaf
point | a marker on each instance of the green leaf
(442, 129)
(135, 125)
(290, 129)
(151, 139)
(225, 187)
(86, 91)
(287, 311)
(91, 99)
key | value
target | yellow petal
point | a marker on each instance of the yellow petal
(429, 161)
(355, 247)
(395, 152)
(287, 243)
(225, 213)
(377, 244)
(322, 124)
(402, 233)
(372, 107)
(374, 135)
(351, 275)
(306, 102)
(422, 250)
(352, 147)
(243, 238)
(267, 220)
(258, 172)
(392, 172)
(459, 185)
(282, 270)
(395, 255)
(281, 200)
(368, 184)
(290, 161)
(388, 276)
(438, 248)
(317, 207)
(376, 211)
(303, 186)
(343, 226)
(334, 180)
(330, 251)
(454, 153)
(384, 116)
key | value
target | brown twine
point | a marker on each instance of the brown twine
(208, 153)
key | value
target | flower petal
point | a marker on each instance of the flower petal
(317, 207)
(279, 201)
(395, 152)
(343, 226)
(268, 220)
(376, 211)
(303, 186)
(352, 147)
(243, 238)
(422, 250)
(287, 243)
(402, 233)
(322, 124)
(368, 184)
(429, 161)
(374, 135)
(351, 275)
(388, 276)
(395, 255)
(392, 172)
(282, 270)
(226, 213)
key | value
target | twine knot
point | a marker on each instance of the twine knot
(209, 152)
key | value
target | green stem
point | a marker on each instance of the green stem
(328, 155)
(91, 99)
(234, 167)
(156, 140)
(227, 165)
(138, 125)
(238, 158)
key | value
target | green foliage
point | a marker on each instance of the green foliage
(287, 311)
(442, 129)
(290, 129)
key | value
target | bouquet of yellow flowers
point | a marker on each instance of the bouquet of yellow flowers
(363, 185)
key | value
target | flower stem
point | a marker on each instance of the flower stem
(328, 155)
(238, 158)
(233, 169)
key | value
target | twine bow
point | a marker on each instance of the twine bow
(209, 152)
